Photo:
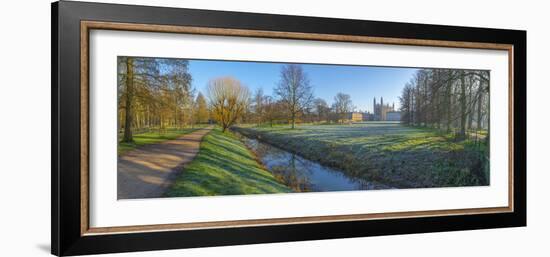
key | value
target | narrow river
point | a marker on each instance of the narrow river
(303, 175)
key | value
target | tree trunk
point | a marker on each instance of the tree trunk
(470, 100)
(176, 125)
(463, 111)
(479, 107)
(449, 103)
(129, 98)
(411, 109)
(293, 117)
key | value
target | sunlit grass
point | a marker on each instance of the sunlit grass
(152, 137)
(224, 166)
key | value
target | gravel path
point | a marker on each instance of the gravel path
(148, 171)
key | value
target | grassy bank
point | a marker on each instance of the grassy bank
(224, 166)
(390, 153)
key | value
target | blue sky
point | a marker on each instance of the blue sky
(362, 83)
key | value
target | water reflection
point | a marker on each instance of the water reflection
(303, 175)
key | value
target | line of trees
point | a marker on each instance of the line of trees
(293, 101)
(447, 99)
(156, 93)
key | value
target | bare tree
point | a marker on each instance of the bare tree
(129, 95)
(447, 99)
(137, 79)
(228, 100)
(294, 90)
(259, 99)
(322, 109)
(342, 105)
(406, 99)
(463, 105)
(273, 110)
(152, 92)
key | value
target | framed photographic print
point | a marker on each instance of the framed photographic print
(177, 128)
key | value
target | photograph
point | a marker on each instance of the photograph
(177, 127)
(198, 127)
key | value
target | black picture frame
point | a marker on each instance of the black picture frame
(66, 234)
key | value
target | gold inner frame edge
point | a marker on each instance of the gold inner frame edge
(86, 26)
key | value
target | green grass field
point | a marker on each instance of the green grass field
(224, 166)
(386, 152)
(152, 137)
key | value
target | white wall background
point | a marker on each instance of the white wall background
(25, 127)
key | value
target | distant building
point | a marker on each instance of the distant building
(393, 116)
(354, 116)
(368, 116)
(385, 112)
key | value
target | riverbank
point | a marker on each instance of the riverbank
(224, 166)
(388, 153)
(303, 175)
